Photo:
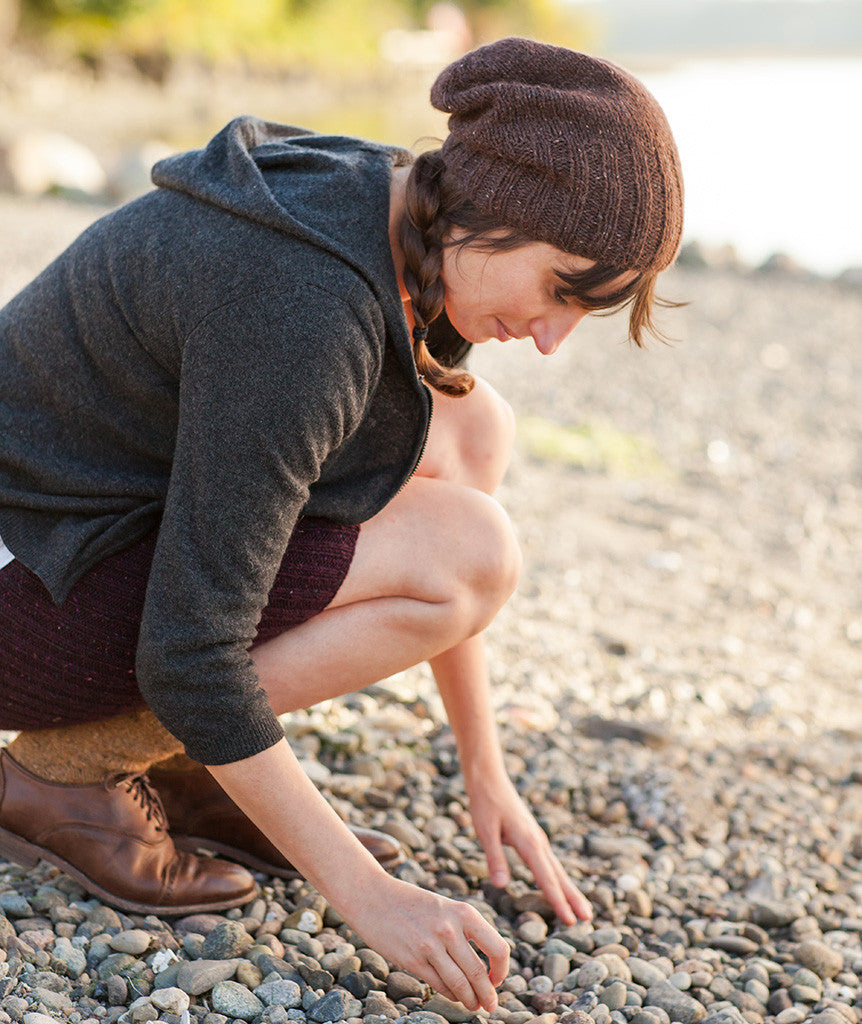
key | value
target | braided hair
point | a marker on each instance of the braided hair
(424, 226)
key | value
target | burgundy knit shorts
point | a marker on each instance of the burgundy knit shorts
(75, 663)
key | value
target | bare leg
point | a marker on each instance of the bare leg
(430, 570)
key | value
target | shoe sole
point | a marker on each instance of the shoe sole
(27, 854)
(192, 844)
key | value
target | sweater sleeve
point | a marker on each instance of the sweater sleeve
(265, 395)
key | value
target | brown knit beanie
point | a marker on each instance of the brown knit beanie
(570, 149)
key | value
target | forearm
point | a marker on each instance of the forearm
(461, 674)
(273, 790)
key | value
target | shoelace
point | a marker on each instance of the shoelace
(142, 791)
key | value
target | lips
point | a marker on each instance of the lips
(503, 333)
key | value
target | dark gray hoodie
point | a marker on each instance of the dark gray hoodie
(211, 360)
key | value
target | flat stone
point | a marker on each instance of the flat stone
(679, 1005)
(134, 941)
(400, 985)
(373, 962)
(776, 913)
(305, 920)
(824, 961)
(532, 928)
(737, 945)
(13, 904)
(198, 976)
(792, 1015)
(51, 1000)
(38, 1018)
(643, 972)
(117, 990)
(424, 1016)
(235, 1001)
(279, 992)
(454, 1013)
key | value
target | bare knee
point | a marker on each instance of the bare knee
(486, 566)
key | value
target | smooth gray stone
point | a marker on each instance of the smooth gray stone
(235, 1000)
(199, 976)
(679, 1005)
(644, 972)
(824, 961)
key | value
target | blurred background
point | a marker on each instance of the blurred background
(762, 95)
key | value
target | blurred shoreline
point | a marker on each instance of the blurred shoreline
(91, 135)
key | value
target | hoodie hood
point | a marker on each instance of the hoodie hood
(295, 181)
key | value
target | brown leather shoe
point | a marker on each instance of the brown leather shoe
(112, 837)
(202, 816)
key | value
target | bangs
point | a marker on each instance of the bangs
(638, 294)
(588, 288)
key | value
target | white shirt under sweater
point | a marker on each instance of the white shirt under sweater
(6, 555)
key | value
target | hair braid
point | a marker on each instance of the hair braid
(421, 234)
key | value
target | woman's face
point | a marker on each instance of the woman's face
(512, 294)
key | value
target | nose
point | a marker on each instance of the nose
(550, 331)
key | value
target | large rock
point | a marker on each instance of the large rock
(37, 162)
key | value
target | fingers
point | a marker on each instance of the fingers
(498, 866)
(568, 901)
(494, 946)
(454, 968)
(464, 975)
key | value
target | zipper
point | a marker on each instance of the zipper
(424, 439)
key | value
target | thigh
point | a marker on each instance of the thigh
(470, 439)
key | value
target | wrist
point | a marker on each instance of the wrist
(482, 769)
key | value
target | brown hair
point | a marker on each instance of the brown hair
(434, 206)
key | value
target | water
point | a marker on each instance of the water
(770, 149)
(771, 154)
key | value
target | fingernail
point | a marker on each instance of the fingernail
(499, 878)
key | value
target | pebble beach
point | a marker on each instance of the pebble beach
(679, 688)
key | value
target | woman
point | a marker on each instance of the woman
(202, 399)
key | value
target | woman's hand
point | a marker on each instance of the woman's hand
(500, 817)
(430, 936)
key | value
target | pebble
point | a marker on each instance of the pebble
(134, 941)
(170, 1000)
(531, 928)
(592, 973)
(198, 976)
(337, 1004)
(824, 961)
(614, 996)
(279, 992)
(678, 1005)
(71, 959)
(235, 1000)
(400, 985)
(643, 972)
(224, 942)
